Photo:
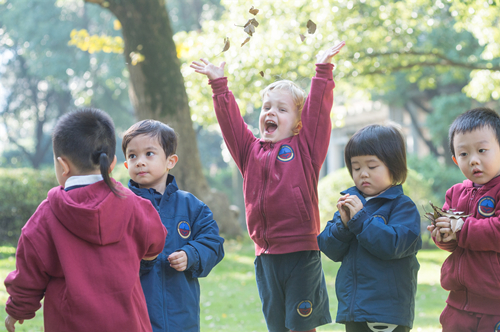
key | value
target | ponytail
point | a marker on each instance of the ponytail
(101, 158)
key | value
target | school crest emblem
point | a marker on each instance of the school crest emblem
(380, 218)
(486, 206)
(184, 229)
(285, 153)
(497, 327)
(305, 308)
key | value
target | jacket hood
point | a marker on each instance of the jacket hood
(92, 213)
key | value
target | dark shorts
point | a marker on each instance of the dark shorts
(363, 327)
(293, 292)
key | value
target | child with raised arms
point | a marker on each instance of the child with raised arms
(280, 179)
(376, 235)
(81, 250)
(193, 246)
(471, 271)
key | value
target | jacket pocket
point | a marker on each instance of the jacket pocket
(299, 200)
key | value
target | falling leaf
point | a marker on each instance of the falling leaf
(261, 73)
(226, 44)
(253, 11)
(250, 29)
(246, 41)
(251, 21)
(302, 37)
(311, 27)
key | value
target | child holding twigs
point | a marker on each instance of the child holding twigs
(281, 172)
(471, 272)
(82, 248)
(376, 235)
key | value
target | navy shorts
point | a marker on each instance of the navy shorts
(293, 292)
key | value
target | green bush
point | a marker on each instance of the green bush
(22, 190)
(416, 186)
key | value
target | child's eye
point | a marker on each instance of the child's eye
(482, 150)
(372, 167)
(150, 154)
(356, 169)
(283, 110)
(131, 156)
(463, 154)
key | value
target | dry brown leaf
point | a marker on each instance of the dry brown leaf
(250, 29)
(302, 37)
(246, 41)
(311, 27)
(438, 212)
(261, 73)
(253, 11)
(251, 21)
(226, 44)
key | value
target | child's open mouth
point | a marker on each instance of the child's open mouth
(271, 126)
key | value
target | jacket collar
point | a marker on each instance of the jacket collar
(390, 193)
(492, 183)
(169, 190)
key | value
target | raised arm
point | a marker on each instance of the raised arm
(316, 123)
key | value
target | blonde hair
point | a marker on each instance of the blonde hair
(298, 95)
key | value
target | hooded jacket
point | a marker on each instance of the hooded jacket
(280, 180)
(472, 272)
(377, 280)
(81, 250)
(173, 297)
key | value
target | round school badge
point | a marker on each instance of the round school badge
(184, 229)
(486, 206)
(305, 308)
(285, 153)
(380, 218)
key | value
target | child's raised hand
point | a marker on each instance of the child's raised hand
(206, 68)
(327, 55)
(345, 214)
(178, 260)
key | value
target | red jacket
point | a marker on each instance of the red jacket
(81, 250)
(280, 180)
(472, 272)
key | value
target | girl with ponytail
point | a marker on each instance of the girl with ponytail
(82, 248)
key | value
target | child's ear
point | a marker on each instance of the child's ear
(454, 160)
(113, 164)
(65, 165)
(171, 161)
(298, 127)
(125, 164)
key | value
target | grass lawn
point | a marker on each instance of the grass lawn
(230, 301)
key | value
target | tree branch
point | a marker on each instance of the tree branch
(414, 120)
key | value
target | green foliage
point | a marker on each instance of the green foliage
(22, 190)
(416, 186)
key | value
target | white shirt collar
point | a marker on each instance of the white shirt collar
(82, 180)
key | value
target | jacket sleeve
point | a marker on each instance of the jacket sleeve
(206, 249)
(237, 136)
(450, 245)
(147, 266)
(26, 285)
(480, 234)
(399, 238)
(316, 123)
(335, 239)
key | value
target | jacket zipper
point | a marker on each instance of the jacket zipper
(354, 286)
(266, 251)
(460, 279)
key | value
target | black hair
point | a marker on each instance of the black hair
(385, 142)
(87, 138)
(165, 134)
(474, 119)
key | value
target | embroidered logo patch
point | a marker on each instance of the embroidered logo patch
(486, 206)
(285, 153)
(497, 327)
(305, 308)
(184, 229)
(380, 218)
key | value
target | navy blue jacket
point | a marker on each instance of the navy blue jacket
(172, 297)
(377, 280)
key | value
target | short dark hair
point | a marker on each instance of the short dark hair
(474, 119)
(385, 142)
(165, 134)
(87, 138)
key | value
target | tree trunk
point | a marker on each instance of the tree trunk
(157, 92)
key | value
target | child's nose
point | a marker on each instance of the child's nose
(139, 162)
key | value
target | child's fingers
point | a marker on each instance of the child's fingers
(222, 64)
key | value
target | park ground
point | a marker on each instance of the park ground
(230, 301)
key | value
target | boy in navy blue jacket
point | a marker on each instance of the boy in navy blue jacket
(193, 246)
